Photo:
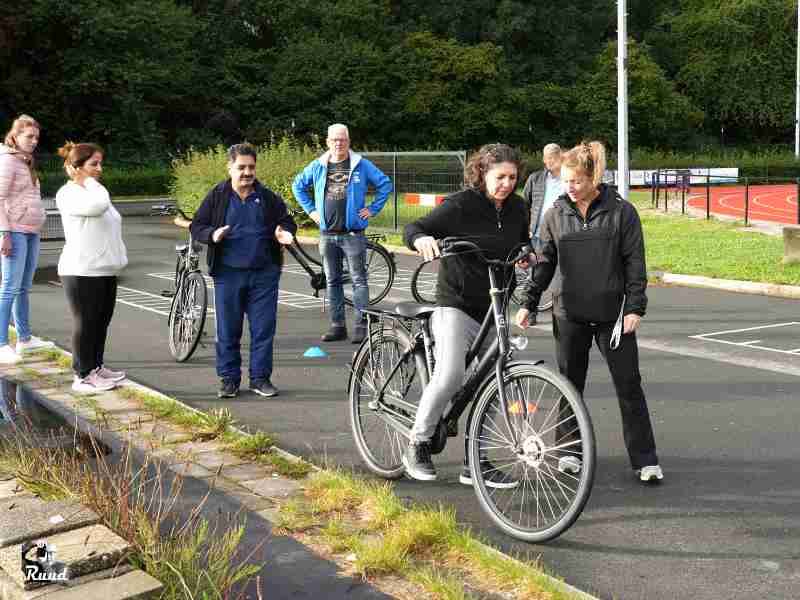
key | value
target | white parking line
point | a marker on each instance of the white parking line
(755, 344)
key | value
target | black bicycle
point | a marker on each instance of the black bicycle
(381, 268)
(187, 314)
(530, 441)
(423, 286)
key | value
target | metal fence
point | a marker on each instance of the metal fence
(771, 199)
(435, 173)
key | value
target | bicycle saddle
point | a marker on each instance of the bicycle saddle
(412, 310)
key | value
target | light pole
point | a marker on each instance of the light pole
(797, 93)
(623, 182)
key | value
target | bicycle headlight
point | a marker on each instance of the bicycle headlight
(519, 342)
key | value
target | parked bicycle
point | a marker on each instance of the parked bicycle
(187, 314)
(527, 425)
(423, 286)
(381, 268)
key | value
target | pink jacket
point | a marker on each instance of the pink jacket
(21, 207)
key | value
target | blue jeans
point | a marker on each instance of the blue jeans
(251, 292)
(334, 248)
(18, 270)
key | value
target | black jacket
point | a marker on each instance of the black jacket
(533, 195)
(463, 281)
(211, 216)
(599, 260)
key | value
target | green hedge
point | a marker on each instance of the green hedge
(136, 181)
(277, 166)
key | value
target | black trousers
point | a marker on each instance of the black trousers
(91, 301)
(573, 343)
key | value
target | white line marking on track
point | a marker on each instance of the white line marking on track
(705, 335)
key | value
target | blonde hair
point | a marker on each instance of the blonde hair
(17, 127)
(588, 158)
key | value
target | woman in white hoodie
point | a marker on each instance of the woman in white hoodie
(21, 218)
(93, 255)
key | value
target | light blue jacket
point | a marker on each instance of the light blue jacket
(362, 174)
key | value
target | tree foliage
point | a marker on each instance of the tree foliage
(154, 77)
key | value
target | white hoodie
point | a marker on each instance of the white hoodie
(93, 231)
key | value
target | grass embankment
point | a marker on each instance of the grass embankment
(693, 246)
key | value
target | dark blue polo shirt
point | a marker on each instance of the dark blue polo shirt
(246, 245)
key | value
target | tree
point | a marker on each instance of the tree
(659, 116)
(737, 62)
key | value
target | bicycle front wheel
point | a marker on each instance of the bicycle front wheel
(536, 489)
(380, 445)
(380, 274)
(423, 283)
(187, 317)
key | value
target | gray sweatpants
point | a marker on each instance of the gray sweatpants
(453, 333)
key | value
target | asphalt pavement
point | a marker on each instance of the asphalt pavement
(722, 377)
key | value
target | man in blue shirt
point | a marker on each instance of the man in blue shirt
(244, 224)
(340, 179)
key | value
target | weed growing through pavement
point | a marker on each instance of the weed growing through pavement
(190, 556)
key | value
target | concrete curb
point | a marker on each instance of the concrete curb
(116, 442)
(730, 285)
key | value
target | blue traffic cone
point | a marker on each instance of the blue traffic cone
(315, 352)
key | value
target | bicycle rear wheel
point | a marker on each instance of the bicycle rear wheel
(187, 317)
(380, 274)
(423, 282)
(547, 478)
(380, 445)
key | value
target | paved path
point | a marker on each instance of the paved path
(725, 399)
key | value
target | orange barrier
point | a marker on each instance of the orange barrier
(424, 199)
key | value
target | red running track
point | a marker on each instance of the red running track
(774, 203)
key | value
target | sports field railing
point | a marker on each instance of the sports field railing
(770, 199)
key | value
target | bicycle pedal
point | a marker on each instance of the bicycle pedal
(167, 293)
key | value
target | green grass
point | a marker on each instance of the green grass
(420, 543)
(724, 250)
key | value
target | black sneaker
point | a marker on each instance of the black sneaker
(335, 333)
(263, 387)
(359, 333)
(492, 476)
(228, 389)
(417, 461)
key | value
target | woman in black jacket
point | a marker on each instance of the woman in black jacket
(489, 212)
(593, 239)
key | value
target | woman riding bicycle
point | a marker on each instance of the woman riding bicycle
(489, 212)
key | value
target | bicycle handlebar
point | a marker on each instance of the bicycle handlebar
(451, 246)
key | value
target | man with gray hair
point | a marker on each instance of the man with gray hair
(542, 188)
(340, 179)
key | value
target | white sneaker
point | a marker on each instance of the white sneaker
(570, 464)
(92, 384)
(8, 356)
(33, 344)
(107, 373)
(650, 474)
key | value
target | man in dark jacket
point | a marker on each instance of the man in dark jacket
(543, 187)
(244, 224)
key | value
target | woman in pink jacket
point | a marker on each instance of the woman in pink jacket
(21, 218)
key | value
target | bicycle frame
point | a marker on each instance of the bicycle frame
(498, 355)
